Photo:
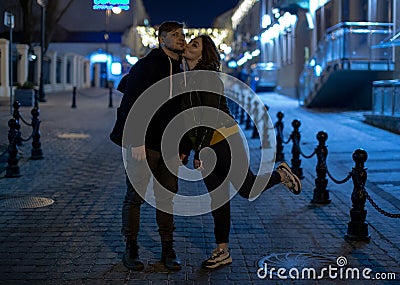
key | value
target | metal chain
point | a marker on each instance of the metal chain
(380, 210)
(26, 140)
(281, 136)
(25, 122)
(33, 131)
(338, 181)
(301, 152)
(283, 139)
(307, 156)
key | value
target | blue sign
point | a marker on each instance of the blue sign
(109, 4)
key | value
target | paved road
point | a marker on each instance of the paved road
(77, 240)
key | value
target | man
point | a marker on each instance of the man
(160, 63)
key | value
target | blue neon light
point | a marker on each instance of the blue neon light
(109, 4)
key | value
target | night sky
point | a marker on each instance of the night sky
(195, 14)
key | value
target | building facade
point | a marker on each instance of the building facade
(317, 45)
(89, 48)
(86, 48)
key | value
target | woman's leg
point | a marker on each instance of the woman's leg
(236, 162)
(218, 186)
(250, 185)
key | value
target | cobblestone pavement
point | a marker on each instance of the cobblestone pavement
(77, 240)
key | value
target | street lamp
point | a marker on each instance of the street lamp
(42, 4)
(116, 10)
(107, 38)
(9, 22)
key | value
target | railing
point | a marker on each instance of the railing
(386, 98)
(347, 45)
(247, 112)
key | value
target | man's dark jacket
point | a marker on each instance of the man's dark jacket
(150, 69)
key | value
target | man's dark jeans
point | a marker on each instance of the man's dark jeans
(137, 180)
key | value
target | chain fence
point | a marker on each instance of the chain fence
(322, 165)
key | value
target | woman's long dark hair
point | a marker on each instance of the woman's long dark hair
(210, 59)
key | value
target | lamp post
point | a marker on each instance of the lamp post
(107, 38)
(116, 10)
(9, 22)
(42, 4)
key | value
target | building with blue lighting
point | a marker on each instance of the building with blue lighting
(327, 53)
(91, 44)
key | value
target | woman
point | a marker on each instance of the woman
(223, 140)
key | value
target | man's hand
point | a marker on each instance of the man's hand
(184, 158)
(198, 164)
(138, 153)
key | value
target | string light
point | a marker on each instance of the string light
(219, 36)
(241, 12)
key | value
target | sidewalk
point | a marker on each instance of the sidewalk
(77, 240)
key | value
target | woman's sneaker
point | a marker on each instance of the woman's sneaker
(218, 257)
(288, 178)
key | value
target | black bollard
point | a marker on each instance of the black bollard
(321, 194)
(36, 152)
(229, 100)
(73, 97)
(12, 169)
(17, 117)
(296, 161)
(255, 133)
(280, 156)
(235, 106)
(357, 227)
(36, 104)
(248, 118)
(265, 140)
(16, 114)
(110, 101)
(241, 111)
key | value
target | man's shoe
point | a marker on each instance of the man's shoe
(218, 258)
(169, 258)
(288, 178)
(131, 256)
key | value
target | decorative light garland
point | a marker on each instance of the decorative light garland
(219, 36)
(148, 36)
(241, 12)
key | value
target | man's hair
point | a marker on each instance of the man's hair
(169, 26)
